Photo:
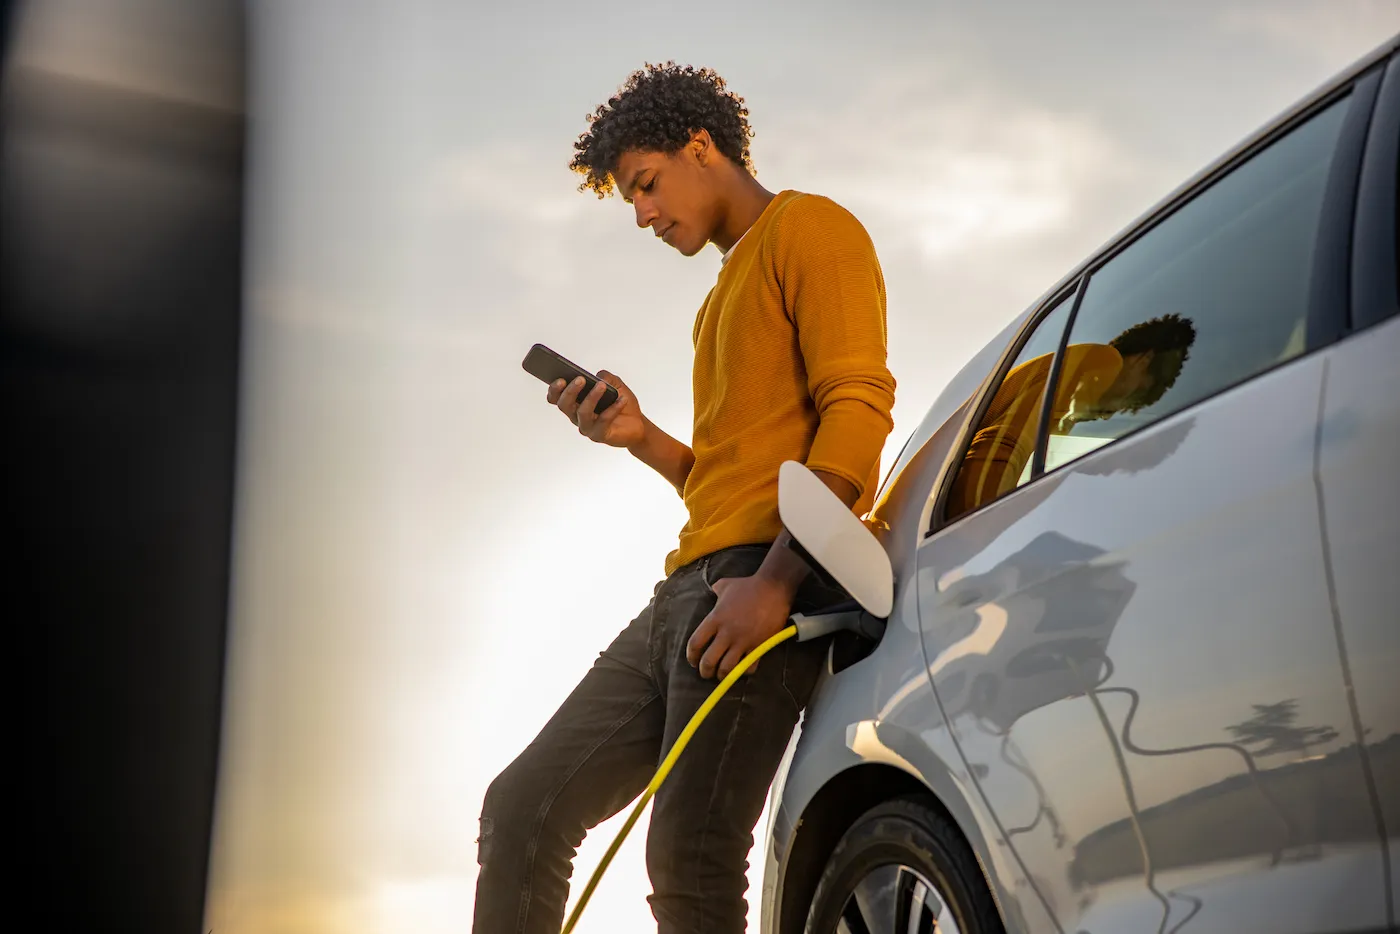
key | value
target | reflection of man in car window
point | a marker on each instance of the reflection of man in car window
(1097, 381)
(1151, 356)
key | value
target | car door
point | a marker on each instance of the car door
(1357, 457)
(1123, 601)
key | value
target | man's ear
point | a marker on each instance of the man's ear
(702, 146)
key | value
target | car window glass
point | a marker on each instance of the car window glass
(1214, 294)
(998, 458)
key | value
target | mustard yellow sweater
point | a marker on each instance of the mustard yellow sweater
(790, 351)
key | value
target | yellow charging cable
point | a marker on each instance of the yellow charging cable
(668, 762)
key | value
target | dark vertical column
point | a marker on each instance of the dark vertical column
(121, 213)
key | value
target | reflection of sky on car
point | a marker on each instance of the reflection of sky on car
(1020, 659)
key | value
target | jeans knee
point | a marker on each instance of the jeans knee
(498, 796)
(678, 851)
(698, 877)
(504, 806)
(663, 861)
(691, 853)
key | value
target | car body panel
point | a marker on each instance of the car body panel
(1358, 453)
(1160, 581)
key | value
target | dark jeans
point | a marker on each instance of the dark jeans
(599, 750)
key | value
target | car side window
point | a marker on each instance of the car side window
(998, 459)
(1216, 293)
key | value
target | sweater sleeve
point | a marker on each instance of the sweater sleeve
(834, 293)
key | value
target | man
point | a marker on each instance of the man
(1097, 381)
(790, 364)
(1150, 357)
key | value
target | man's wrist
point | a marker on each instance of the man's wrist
(783, 569)
(639, 447)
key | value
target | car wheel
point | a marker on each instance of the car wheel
(902, 868)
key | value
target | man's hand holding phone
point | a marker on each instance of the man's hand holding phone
(621, 425)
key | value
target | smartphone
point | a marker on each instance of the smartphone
(546, 365)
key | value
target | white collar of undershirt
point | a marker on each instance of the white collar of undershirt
(729, 252)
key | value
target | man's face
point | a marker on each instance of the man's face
(1136, 374)
(1140, 383)
(671, 194)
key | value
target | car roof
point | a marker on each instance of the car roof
(962, 386)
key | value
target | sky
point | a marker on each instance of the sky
(427, 556)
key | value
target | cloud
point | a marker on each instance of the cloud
(514, 179)
(533, 227)
(346, 318)
(947, 165)
(1335, 31)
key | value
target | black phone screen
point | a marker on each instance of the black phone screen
(548, 366)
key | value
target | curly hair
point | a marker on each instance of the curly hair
(1165, 332)
(1163, 336)
(656, 110)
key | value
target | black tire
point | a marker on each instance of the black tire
(902, 854)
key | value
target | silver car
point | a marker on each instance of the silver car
(1140, 664)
